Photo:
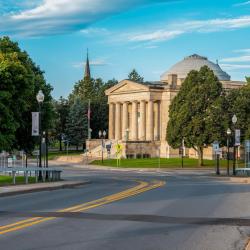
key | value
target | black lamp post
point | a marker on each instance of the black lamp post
(102, 135)
(234, 121)
(40, 99)
(229, 132)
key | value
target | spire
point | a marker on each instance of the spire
(87, 67)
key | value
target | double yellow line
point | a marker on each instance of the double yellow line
(142, 187)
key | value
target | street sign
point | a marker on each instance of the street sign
(247, 145)
(216, 145)
(35, 124)
(237, 137)
(36, 152)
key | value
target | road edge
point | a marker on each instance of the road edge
(40, 189)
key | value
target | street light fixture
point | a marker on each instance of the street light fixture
(40, 99)
(102, 135)
(229, 132)
(234, 121)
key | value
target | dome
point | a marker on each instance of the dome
(195, 62)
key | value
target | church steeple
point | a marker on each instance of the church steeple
(87, 67)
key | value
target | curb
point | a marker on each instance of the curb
(34, 190)
(96, 167)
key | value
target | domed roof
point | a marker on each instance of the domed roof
(195, 62)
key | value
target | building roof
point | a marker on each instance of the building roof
(195, 62)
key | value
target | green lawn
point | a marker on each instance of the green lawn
(54, 155)
(164, 163)
(7, 180)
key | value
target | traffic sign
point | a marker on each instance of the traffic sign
(216, 145)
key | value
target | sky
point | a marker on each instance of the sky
(148, 35)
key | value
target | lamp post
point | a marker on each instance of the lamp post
(234, 121)
(102, 135)
(229, 132)
(40, 99)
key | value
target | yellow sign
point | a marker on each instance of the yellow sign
(118, 148)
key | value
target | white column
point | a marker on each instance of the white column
(157, 121)
(134, 129)
(111, 121)
(142, 130)
(118, 121)
(125, 125)
(150, 122)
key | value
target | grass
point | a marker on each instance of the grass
(56, 154)
(6, 180)
(164, 163)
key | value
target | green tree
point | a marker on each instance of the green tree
(20, 80)
(94, 90)
(248, 80)
(239, 104)
(134, 76)
(62, 111)
(197, 114)
(77, 123)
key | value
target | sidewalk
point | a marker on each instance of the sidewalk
(38, 187)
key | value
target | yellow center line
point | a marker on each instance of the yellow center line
(70, 209)
(142, 187)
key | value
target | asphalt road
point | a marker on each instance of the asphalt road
(190, 211)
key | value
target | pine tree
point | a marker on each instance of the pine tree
(134, 76)
(77, 123)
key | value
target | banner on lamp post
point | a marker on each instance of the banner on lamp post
(35, 124)
(237, 137)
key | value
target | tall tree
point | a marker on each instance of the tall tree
(94, 90)
(197, 112)
(248, 80)
(134, 76)
(77, 123)
(62, 111)
(239, 104)
(20, 80)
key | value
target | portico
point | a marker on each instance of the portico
(134, 116)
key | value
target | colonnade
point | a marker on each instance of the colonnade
(135, 121)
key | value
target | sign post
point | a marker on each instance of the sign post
(217, 151)
(247, 154)
(118, 148)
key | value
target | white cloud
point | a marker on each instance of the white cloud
(151, 47)
(244, 51)
(237, 62)
(235, 66)
(62, 16)
(242, 4)
(94, 31)
(237, 59)
(97, 62)
(156, 36)
(200, 26)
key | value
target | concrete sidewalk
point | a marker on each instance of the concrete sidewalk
(38, 187)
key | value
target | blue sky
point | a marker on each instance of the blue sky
(149, 35)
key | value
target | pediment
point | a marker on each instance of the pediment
(126, 86)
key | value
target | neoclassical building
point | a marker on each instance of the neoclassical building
(139, 112)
